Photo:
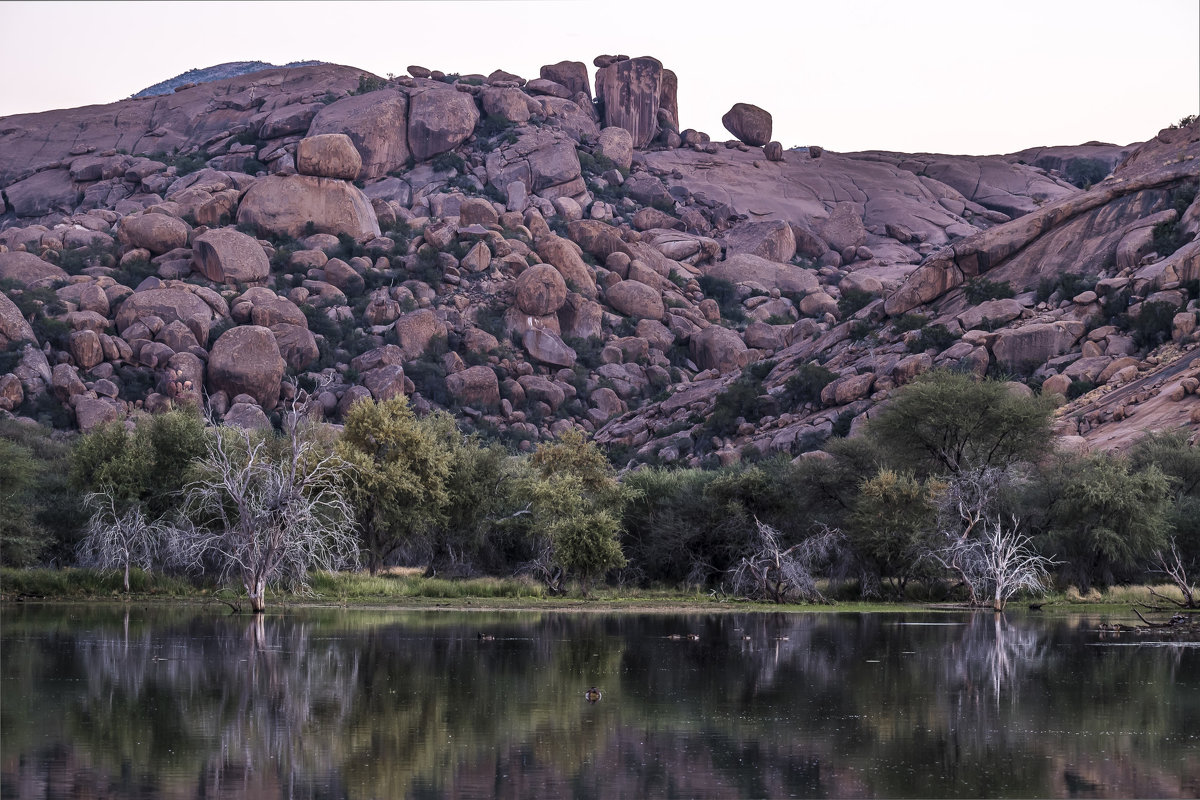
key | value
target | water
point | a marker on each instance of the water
(160, 702)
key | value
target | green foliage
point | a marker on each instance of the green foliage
(890, 527)
(725, 293)
(40, 513)
(448, 161)
(1170, 452)
(805, 385)
(494, 125)
(949, 422)
(147, 466)
(743, 399)
(576, 503)
(854, 300)
(1101, 518)
(1152, 325)
(1079, 388)
(397, 475)
(594, 163)
(981, 289)
(1086, 172)
(134, 271)
(1170, 236)
(933, 337)
(910, 322)
(368, 83)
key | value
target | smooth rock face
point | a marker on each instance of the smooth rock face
(246, 360)
(844, 228)
(285, 205)
(475, 386)
(631, 92)
(377, 124)
(749, 123)
(328, 155)
(571, 74)
(29, 270)
(744, 267)
(439, 120)
(13, 325)
(635, 299)
(616, 144)
(157, 233)
(225, 255)
(414, 332)
(718, 348)
(541, 290)
(547, 347)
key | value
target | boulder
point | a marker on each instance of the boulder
(506, 103)
(29, 271)
(635, 299)
(616, 144)
(749, 123)
(773, 240)
(246, 416)
(43, 193)
(773, 151)
(559, 253)
(289, 120)
(743, 267)
(631, 91)
(415, 331)
(546, 346)
(226, 255)
(475, 386)
(540, 290)
(992, 312)
(571, 74)
(13, 325)
(1032, 345)
(297, 345)
(168, 304)
(718, 348)
(844, 228)
(477, 210)
(91, 412)
(246, 360)
(157, 233)
(295, 205)
(439, 120)
(328, 155)
(376, 123)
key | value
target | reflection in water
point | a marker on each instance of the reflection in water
(175, 703)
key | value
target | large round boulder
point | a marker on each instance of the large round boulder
(157, 233)
(541, 290)
(169, 304)
(287, 205)
(616, 144)
(415, 331)
(475, 386)
(376, 123)
(439, 120)
(328, 155)
(225, 255)
(246, 360)
(635, 299)
(749, 123)
(718, 348)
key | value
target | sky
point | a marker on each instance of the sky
(955, 76)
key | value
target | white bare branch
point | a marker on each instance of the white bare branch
(780, 574)
(116, 540)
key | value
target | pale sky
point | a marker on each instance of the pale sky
(950, 76)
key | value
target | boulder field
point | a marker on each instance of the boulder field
(534, 258)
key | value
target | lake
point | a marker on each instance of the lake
(189, 702)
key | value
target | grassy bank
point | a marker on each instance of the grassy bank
(410, 588)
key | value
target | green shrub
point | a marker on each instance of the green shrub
(1079, 388)
(909, 322)
(854, 300)
(445, 162)
(933, 337)
(805, 385)
(982, 289)
(1086, 172)
(368, 83)
(725, 293)
(134, 271)
(1152, 326)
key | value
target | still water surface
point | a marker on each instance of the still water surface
(189, 703)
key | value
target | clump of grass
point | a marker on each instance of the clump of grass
(74, 583)
(361, 586)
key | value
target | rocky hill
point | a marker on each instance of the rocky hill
(230, 69)
(555, 252)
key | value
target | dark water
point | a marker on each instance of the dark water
(153, 702)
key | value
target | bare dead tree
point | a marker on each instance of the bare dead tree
(998, 564)
(780, 574)
(267, 519)
(1170, 563)
(115, 540)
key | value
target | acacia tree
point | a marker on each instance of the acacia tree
(575, 506)
(397, 474)
(267, 511)
(119, 539)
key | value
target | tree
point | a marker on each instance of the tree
(397, 474)
(1102, 518)
(947, 422)
(996, 563)
(890, 528)
(119, 540)
(267, 510)
(575, 503)
(780, 574)
(22, 539)
(1179, 459)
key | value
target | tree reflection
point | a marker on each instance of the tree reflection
(370, 704)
